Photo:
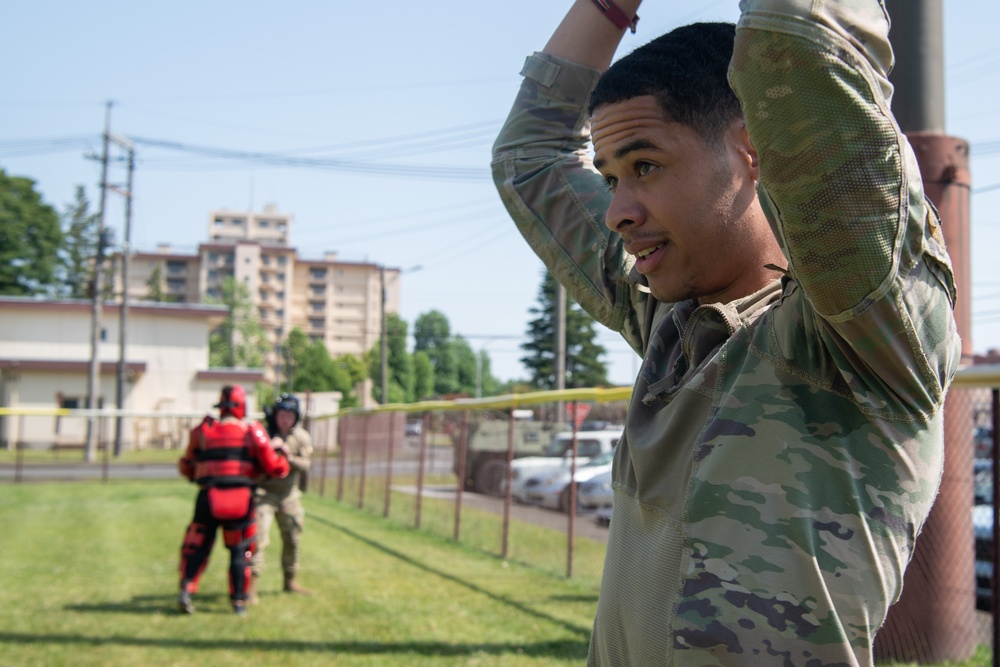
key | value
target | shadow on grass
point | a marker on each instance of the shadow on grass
(156, 604)
(568, 649)
(571, 627)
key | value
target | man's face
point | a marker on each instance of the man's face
(686, 209)
(285, 420)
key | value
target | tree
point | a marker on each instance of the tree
(309, 367)
(29, 238)
(584, 367)
(80, 229)
(240, 341)
(465, 366)
(432, 335)
(157, 290)
(400, 366)
(423, 376)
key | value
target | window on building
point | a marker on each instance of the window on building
(316, 322)
(213, 256)
(263, 277)
(279, 313)
(279, 332)
(263, 312)
(264, 224)
(316, 307)
(263, 294)
(281, 277)
(238, 222)
(282, 260)
(265, 259)
(317, 274)
(175, 284)
(318, 290)
(281, 295)
(213, 274)
(176, 267)
(71, 402)
(219, 222)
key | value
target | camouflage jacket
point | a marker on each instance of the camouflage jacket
(300, 448)
(781, 452)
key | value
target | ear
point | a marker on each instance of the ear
(741, 143)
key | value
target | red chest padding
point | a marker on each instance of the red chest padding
(226, 455)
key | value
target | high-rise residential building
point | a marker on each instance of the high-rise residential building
(337, 302)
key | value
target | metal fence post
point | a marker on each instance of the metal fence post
(571, 509)
(388, 468)
(364, 459)
(510, 457)
(418, 512)
(460, 472)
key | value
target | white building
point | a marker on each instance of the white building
(45, 363)
(339, 303)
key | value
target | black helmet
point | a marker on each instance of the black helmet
(290, 403)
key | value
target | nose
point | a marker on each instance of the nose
(624, 211)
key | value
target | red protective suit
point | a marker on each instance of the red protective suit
(225, 458)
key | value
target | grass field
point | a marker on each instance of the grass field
(90, 578)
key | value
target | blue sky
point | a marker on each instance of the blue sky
(384, 114)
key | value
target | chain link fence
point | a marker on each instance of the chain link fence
(495, 475)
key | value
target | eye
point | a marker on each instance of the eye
(611, 182)
(643, 168)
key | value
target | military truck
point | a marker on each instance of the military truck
(486, 451)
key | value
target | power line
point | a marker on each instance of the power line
(455, 173)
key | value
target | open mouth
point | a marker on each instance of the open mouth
(643, 254)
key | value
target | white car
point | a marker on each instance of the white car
(596, 492)
(552, 489)
(558, 455)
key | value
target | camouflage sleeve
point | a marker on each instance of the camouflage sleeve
(270, 463)
(300, 449)
(842, 188)
(545, 176)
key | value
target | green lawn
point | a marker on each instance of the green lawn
(90, 579)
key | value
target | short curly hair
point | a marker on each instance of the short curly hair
(686, 70)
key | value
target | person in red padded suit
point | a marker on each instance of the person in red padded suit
(225, 457)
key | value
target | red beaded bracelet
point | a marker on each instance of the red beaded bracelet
(616, 15)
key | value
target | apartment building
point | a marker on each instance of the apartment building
(337, 302)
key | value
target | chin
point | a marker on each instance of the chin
(671, 293)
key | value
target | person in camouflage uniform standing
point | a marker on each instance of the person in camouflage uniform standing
(281, 499)
(753, 222)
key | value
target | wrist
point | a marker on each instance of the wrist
(621, 17)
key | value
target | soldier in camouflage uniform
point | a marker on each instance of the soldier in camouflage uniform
(281, 499)
(773, 258)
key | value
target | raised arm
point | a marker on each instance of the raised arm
(586, 36)
(544, 173)
(843, 188)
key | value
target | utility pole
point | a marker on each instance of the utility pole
(123, 312)
(93, 377)
(384, 371)
(931, 621)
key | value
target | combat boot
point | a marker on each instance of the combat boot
(184, 604)
(292, 587)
